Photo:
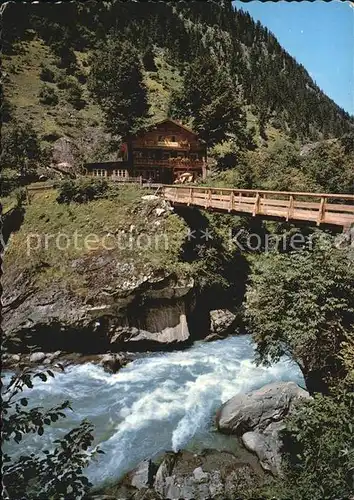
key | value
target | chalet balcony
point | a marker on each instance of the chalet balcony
(179, 163)
(164, 144)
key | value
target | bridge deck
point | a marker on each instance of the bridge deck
(320, 208)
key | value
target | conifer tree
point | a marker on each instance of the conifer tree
(210, 97)
(116, 81)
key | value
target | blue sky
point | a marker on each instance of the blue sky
(320, 36)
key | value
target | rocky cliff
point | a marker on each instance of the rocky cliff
(147, 310)
(98, 300)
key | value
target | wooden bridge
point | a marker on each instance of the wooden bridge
(318, 208)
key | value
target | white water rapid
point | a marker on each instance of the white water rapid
(156, 403)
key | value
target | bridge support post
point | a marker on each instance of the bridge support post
(190, 196)
(207, 198)
(321, 211)
(256, 205)
(291, 208)
(231, 206)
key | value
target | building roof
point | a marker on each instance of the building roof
(168, 120)
(178, 124)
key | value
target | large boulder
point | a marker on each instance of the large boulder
(257, 409)
(65, 152)
(222, 322)
(267, 446)
(258, 418)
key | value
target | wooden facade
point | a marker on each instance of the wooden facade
(166, 153)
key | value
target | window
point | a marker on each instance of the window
(120, 173)
(150, 174)
(99, 172)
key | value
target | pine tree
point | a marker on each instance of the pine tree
(116, 81)
(210, 97)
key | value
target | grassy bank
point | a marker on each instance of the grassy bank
(54, 235)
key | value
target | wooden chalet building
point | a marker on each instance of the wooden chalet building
(167, 152)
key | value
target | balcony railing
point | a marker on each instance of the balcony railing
(126, 180)
(171, 163)
(166, 144)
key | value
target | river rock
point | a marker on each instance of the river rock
(112, 362)
(213, 337)
(201, 476)
(143, 475)
(37, 357)
(164, 471)
(267, 446)
(211, 474)
(257, 409)
(222, 322)
(51, 356)
(258, 418)
(102, 497)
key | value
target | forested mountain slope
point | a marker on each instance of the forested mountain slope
(272, 82)
(204, 63)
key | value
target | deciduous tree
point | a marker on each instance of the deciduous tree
(301, 304)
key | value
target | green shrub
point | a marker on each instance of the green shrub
(21, 149)
(81, 77)
(149, 61)
(82, 190)
(21, 195)
(301, 304)
(9, 181)
(49, 473)
(74, 96)
(47, 75)
(47, 95)
(66, 57)
(347, 142)
(65, 81)
(276, 123)
(6, 111)
(319, 439)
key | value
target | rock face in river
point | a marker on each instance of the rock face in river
(257, 417)
(124, 309)
(211, 474)
(222, 323)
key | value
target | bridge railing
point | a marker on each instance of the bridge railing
(321, 208)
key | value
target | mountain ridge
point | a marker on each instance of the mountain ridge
(276, 87)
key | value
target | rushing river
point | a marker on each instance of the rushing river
(156, 403)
